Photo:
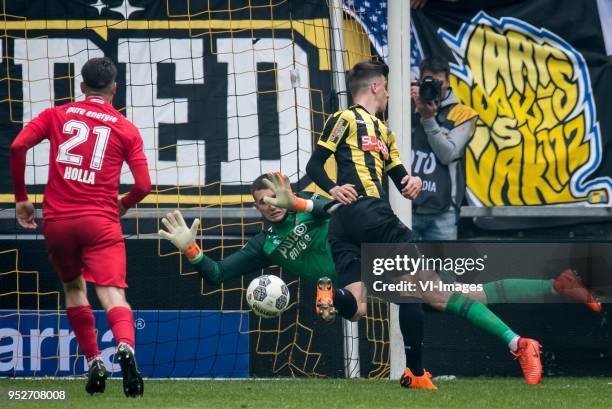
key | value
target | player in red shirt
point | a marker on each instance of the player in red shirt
(89, 141)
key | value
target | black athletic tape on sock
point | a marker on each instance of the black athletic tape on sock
(345, 303)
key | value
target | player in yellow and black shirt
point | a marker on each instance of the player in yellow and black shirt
(365, 151)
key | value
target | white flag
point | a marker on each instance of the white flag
(605, 15)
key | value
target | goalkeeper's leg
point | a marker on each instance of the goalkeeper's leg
(527, 351)
(566, 284)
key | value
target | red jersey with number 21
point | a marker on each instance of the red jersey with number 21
(89, 141)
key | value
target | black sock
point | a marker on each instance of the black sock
(411, 320)
(345, 303)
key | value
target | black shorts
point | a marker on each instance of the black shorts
(368, 220)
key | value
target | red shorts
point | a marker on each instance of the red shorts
(91, 246)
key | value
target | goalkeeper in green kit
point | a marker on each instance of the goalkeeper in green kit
(297, 240)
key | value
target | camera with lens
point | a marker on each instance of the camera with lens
(430, 89)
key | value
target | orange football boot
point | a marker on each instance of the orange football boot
(528, 355)
(410, 380)
(325, 299)
(568, 284)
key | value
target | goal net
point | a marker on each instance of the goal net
(221, 91)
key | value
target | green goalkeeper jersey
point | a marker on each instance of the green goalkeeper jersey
(298, 244)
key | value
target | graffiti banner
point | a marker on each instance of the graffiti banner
(538, 76)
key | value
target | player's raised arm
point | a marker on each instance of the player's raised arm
(249, 258)
(315, 168)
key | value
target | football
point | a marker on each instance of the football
(268, 296)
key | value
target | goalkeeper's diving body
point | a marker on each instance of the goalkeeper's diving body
(296, 239)
(293, 218)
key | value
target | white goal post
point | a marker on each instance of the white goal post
(398, 33)
(399, 121)
(350, 330)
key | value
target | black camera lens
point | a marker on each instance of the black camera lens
(430, 89)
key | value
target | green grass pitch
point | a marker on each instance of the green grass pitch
(470, 393)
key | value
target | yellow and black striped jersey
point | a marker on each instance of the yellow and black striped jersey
(363, 147)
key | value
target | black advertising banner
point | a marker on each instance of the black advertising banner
(220, 91)
(538, 76)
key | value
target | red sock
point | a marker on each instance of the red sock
(121, 321)
(83, 324)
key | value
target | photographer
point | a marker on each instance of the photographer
(441, 129)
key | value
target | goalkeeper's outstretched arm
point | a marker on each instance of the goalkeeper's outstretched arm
(249, 258)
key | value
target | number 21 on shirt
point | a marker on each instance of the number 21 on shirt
(81, 133)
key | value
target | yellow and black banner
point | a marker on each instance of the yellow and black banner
(538, 76)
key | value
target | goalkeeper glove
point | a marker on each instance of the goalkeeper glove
(181, 236)
(284, 197)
